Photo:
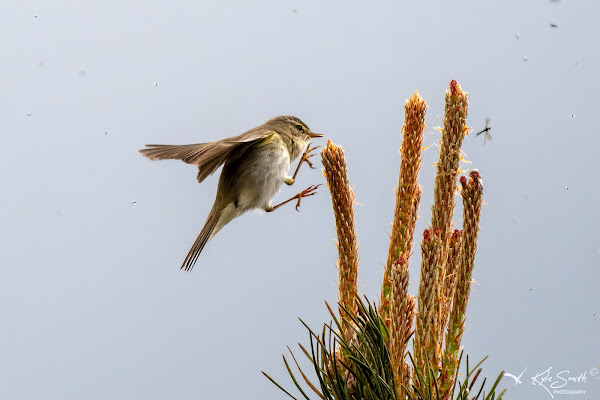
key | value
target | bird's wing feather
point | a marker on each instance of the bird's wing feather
(207, 156)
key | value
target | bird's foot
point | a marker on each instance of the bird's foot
(307, 155)
(304, 159)
(311, 190)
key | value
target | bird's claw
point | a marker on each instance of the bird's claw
(305, 193)
(306, 156)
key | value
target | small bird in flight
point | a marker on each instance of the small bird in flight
(255, 165)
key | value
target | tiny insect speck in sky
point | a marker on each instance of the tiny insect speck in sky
(486, 131)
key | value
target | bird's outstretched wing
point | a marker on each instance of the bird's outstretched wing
(207, 156)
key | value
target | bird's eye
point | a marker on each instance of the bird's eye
(300, 128)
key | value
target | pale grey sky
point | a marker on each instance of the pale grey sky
(93, 304)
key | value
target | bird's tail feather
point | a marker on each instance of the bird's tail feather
(205, 235)
(217, 218)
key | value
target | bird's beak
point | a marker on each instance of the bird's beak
(314, 135)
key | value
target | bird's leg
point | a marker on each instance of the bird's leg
(305, 193)
(305, 158)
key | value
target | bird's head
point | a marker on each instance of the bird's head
(293, 128)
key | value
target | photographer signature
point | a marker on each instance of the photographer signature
(547, 380)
